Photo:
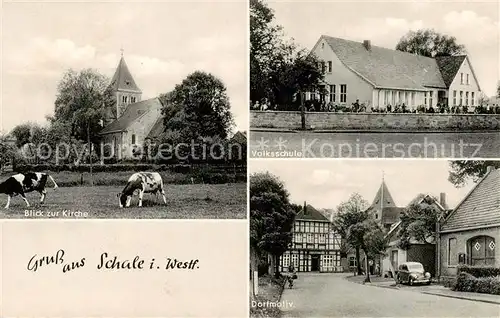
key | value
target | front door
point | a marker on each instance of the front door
(314, 263)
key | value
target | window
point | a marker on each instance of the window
(430, 98)
(461, 97)
(308, 228)
(322, 238)
(310, 238)
(286, 260)
(323, 66)
(343, 93)
(323, 45)
(452, 252)
(132, 99)
(295, 261)
(376, 215)
(332, 93)
(352, 261)
(467, 79)
(133, 139)
(330, 66)
(124, 99)
(472, 98)
(298, 238)
(466, 98)
(461, 78)
(425, 98)
(454, 98)
(304, 238)
(302, 227)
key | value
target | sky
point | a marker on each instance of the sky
(474, 24)
(326, 183)
(162, 43)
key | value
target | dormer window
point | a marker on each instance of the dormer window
(127, 82)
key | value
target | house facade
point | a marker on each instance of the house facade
(417, 251)
(470, 234)
(315, 246)
(379, 77)
(134, 120)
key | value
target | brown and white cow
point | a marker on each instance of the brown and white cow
(22, 183)
(145, 182)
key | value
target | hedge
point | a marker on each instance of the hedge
(485, 285)
(479, 271)
(179, 168)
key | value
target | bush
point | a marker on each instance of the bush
(485, 285)
(479, 271)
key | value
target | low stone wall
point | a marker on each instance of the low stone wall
(374, 121)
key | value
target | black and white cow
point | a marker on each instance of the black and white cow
(145, 182)
(22, 183)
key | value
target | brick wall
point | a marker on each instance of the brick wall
(373, 121)
(461, 247)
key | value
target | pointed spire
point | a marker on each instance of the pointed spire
(383, 198)
(123, 80)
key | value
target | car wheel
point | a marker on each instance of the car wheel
(428, 283)
(410, 281)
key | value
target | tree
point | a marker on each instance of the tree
(278, 69)
(271, 218)
(373, 240)
(498, 89)
(462, 170)
(418, 222)
(197, 110)
(428, 42)
(83, 100)
(482, 100)
(22, 133)
(350, 213)
(8, 152)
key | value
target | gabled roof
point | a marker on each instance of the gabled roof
(123, 80)
(158, 128)
(449, 66)
(131, 114)
(480, 208)
(386, 68)
(239, 137)
(311, 214)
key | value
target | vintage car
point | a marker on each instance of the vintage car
(413, 273)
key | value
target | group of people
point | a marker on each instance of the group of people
(357, 107)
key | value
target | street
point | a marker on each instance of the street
(274, 144)
(331, 295)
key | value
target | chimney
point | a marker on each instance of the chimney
(367, 44)
(442, 199)
(305, 208)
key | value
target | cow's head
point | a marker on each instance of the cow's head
(122, 199)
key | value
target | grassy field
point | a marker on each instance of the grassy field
(184, 201)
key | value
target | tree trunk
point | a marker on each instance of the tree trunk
(253, 268)
(277, 264)
(272, 264)
(367, 266)
(358, 261)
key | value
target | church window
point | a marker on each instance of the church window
(124, 99)
(133, 138)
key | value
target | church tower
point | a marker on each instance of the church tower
(383, 207)
(124, 88)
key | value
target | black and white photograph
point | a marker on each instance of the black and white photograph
(374, 79)
(374, 238)
(124, 110)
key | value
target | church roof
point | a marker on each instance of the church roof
(383, 197)
(158, 128)
(131, 114)
(123, 80)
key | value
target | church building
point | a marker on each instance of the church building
(129, 125)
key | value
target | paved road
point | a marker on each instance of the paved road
(374, 145)
(331, 295)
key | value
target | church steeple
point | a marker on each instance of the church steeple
(383, 198)
(124, 87)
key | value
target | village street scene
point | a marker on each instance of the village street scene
(397, 79)
(371, 238)
(101, 119)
